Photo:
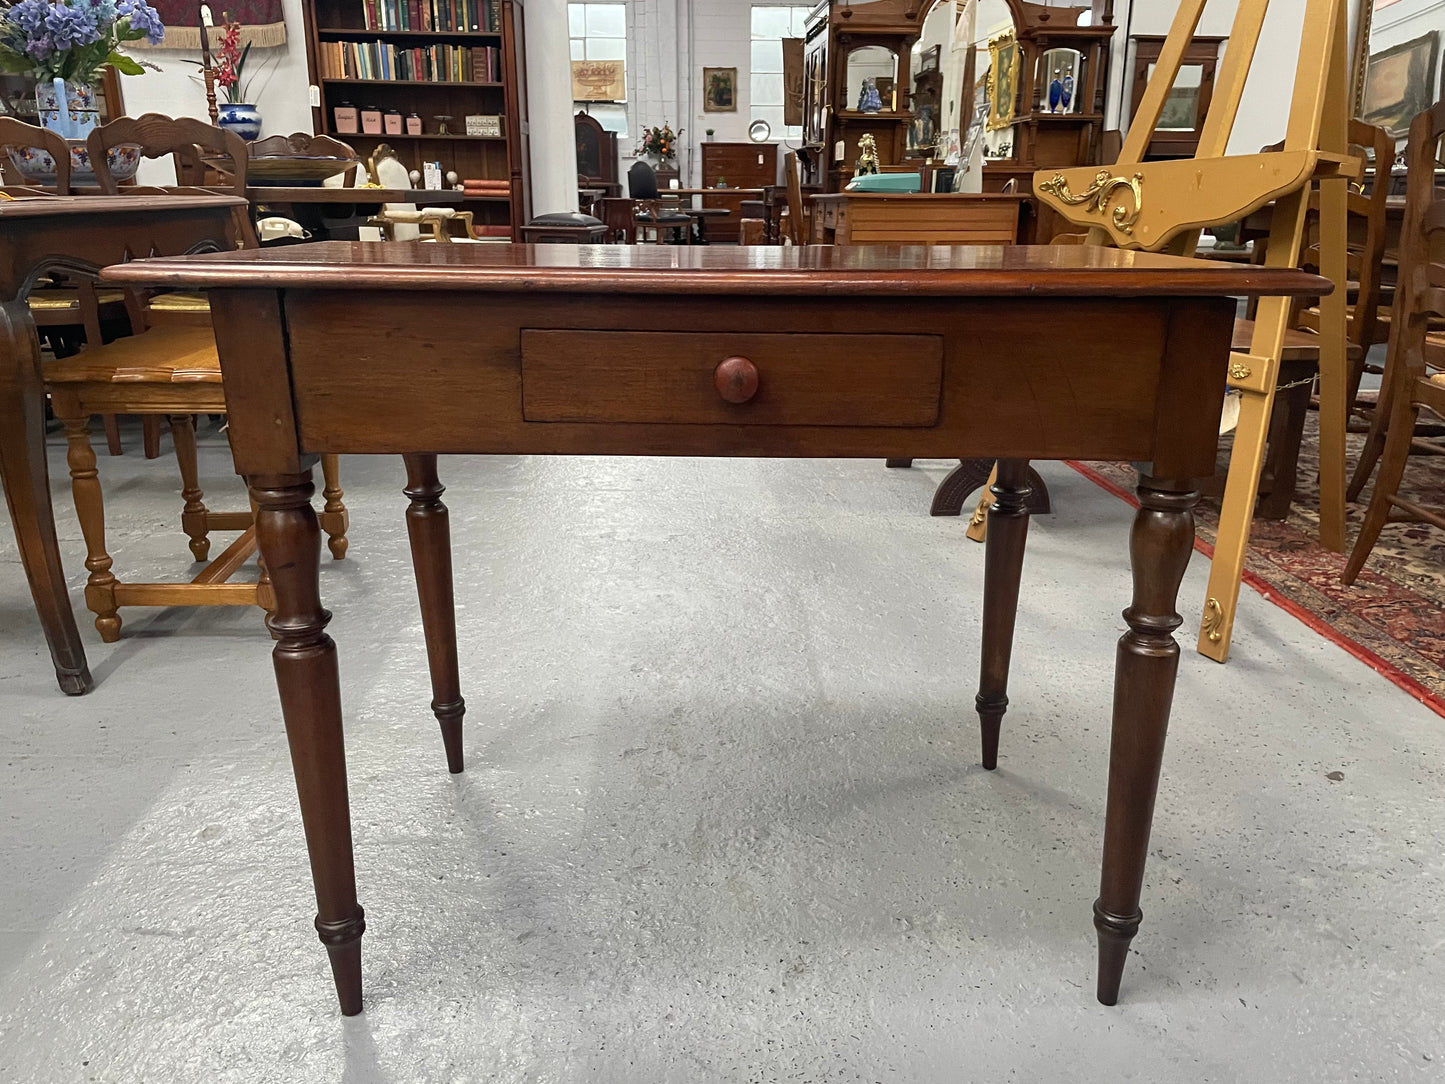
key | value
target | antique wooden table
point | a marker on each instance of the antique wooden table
(1089, 352)
(77, 235)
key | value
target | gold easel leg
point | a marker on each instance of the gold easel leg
(1241, 489)
(1256, 375)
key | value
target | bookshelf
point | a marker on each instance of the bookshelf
(431, 58)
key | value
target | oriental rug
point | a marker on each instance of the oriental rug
(1393, 618)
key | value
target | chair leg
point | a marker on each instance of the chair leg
(193, 516)
(151, 431)
(1392, 469)
(112, 434)
(90, 510)
(1374, 444)
(335, 520)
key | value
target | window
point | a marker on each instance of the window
(771, 24)
(598, 31)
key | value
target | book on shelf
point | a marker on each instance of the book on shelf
(435, 16)
(437, 63)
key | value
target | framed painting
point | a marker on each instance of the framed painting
(719, 90)
(1399, 83)
(1003, 80)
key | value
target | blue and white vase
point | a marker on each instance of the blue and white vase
(67, 109)
(70, 111)
(241, 118)
(1068, 95)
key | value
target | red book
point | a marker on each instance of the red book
(413, 14)
(370, 10)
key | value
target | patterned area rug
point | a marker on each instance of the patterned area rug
(1393, 618)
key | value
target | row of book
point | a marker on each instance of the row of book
(425, 63)
(481, 16)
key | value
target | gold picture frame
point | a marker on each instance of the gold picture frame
(1005, 63)
(719, 90)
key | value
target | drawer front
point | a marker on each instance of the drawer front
(672, 377)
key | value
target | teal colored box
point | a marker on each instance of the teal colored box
(886, 182)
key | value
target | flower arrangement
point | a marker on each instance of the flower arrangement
(659, 141)
(56, 39)
(230, 61)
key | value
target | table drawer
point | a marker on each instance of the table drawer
(663, 377)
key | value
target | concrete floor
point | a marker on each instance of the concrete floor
(723, 820)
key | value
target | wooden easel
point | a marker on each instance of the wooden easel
(1162, 206)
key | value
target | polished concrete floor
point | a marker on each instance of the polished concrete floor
(723, 820)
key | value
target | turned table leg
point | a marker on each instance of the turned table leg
(1160, 546)
(306, 675)
(431, 557)
(26, 482)
(1003, 562)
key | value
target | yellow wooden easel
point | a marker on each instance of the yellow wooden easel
(1162, 206)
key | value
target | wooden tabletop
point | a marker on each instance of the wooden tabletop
(322, 194)
(873, 270)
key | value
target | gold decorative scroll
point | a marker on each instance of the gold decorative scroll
(1097, 196)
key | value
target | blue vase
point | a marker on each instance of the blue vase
(1056, 93)
(1068, 94)
(240, 118)
(67, 109)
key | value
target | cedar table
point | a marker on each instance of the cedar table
(77, 235)
(1005, 353)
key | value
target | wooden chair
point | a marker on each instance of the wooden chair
(1366, 228)
(173, 371)
(190, 143)
(652, 211)
(68, 314)
(1419, 301)
(1364, 250)
(1161, 206)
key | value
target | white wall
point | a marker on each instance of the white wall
(279, 89)
(1264, 110)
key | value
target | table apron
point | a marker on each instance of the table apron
(377, 371)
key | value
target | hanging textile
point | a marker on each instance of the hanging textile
(262, 23)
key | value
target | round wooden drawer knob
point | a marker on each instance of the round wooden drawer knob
(736, 379)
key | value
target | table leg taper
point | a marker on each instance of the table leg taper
(1003, 562)
(1160, 546)
(431, 555)
(307, 677)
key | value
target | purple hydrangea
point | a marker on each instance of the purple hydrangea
(41, 47)
(70, 26)
(29, 17)
(142, 17)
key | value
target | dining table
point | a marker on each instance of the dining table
(699, 216)
(814, 351)
(75, 236)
